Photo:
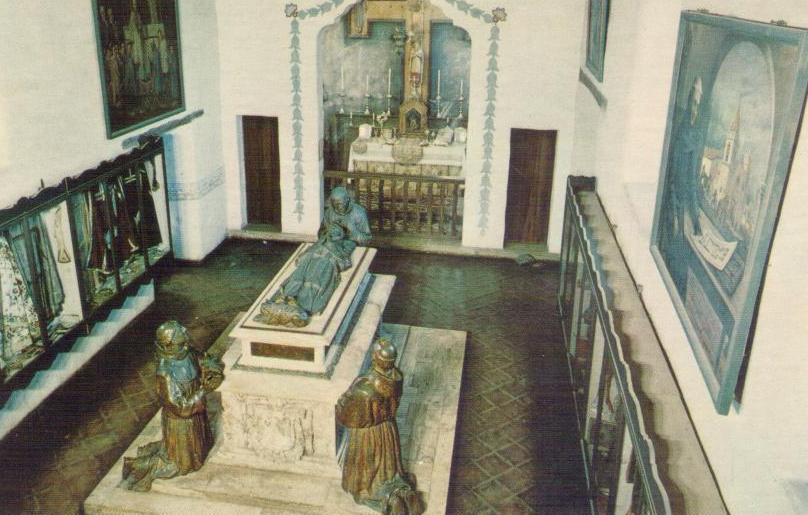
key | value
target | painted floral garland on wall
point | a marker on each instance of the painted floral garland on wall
(497, 15)
(494, 17)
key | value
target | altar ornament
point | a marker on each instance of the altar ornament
(373, 472)
(460, 134)
(438, 98)
(389, 89)
(408, 150)
(367, 94)
(460, 100)
(365, 131)
(184, 377)
(342, 88)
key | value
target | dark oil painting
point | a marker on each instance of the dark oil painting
(139, 57)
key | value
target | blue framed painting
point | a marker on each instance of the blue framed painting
(140, 63)
(737, 99)
(596, 37)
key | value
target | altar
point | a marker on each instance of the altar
(375, 155)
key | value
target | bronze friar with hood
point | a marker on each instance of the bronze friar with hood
(373, 471)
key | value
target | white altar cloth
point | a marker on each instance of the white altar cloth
(452, 156)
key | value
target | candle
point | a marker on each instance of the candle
(342, 77)
(438, 82)
(461, 87)
(389, 80)
(367, 84)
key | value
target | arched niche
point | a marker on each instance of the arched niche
(369, 60)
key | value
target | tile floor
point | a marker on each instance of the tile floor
(516, 450)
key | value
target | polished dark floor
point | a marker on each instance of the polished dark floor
(516, 449)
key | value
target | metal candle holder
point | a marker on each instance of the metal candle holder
(367, 103)
(437, 101)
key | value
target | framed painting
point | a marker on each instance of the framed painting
(140, 63)
(596, 37)
(736, 103)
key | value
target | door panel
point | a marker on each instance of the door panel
(262, 170)
(530, 181)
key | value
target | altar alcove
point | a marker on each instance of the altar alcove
(395, 83)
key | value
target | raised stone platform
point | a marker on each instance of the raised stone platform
(432, 363)
(284, 420)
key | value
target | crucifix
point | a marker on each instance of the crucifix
(418, 16)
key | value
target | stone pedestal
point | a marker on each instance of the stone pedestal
(432, 364)
(284, 420)
(315, 347)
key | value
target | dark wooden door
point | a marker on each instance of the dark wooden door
(262, 170)
(530, 181)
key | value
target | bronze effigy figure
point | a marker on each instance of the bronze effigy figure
(373, 471)
(184, 377)
(318, 272)
(307, 291)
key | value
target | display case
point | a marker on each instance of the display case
(40, 294)
(600, 379)
(615, 361)
(74, 248)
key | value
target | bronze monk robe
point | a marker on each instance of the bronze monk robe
(307, 291)
(184, 377)
(373, 471)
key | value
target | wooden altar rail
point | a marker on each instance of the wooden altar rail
(416, 204)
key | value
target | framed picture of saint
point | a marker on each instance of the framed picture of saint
(140, 63)
(736, 102)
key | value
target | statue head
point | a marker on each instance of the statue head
(340, 200)
(384, 354)
(171, 339)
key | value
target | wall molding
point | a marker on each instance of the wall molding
(195, 190)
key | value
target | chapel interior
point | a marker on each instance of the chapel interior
(520, 164)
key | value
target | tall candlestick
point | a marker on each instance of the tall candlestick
(438, 82)
(389, 80)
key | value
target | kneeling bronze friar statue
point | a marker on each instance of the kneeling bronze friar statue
(373, 471)
(184, 377)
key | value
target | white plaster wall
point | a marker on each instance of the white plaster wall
(51, 107)
(538, 69)
(758, 450)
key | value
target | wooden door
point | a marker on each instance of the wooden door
(262, 170)
(530, 181)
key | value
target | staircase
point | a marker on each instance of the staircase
(25, 400)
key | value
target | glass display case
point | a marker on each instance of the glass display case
(619, 465)
(74, 248)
